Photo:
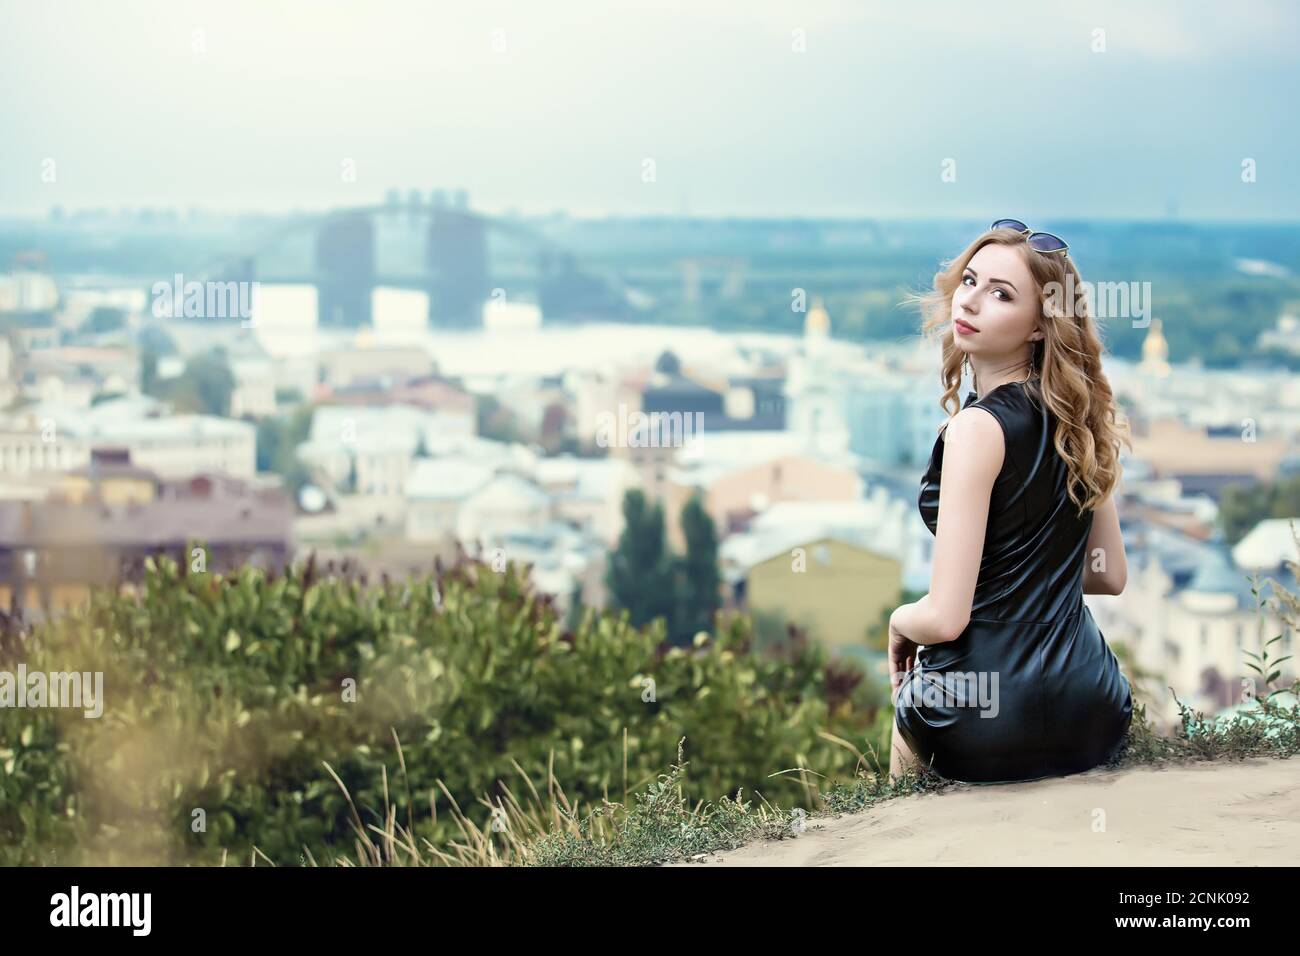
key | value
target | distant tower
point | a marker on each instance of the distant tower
(816, 327)
(414, 206)
(1155, 352)
(456, 257)
(814, 402)
(345, 262)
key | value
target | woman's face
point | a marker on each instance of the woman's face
(996, 308)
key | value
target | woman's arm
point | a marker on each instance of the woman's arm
(1105, 565)
(973, 449)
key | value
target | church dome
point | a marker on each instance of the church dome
(1155, 351)
(668, 363)
(817, 322)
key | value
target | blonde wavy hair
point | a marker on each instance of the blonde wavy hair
(1067, 362)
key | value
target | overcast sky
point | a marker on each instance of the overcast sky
(559, 104)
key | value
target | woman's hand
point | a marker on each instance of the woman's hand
(902, 653)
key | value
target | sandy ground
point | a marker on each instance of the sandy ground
(1244, 813)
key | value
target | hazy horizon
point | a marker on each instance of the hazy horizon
(243, 107)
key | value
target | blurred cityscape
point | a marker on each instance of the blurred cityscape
(388, 383)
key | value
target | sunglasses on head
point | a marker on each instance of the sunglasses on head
(1038, 241)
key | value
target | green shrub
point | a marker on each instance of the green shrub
(226, 695)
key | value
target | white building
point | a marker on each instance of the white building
(561, 561)
(8, 387)
(436, 490)
(371, 448)
(1188, 617)
(1268, 545)
(879, 523)
(47, 440)
(25, 290)
(75, 375)
(255, 383)
(557, 515)
(815, 400)
(506, 505)
(364, 360)
(588, 492)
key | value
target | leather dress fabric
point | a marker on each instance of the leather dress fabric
(1030, 688)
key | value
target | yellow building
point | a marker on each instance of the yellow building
(110, 479)
(835, 589)
(116, 490)
(101, 523)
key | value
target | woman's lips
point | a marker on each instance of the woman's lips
(965, 328)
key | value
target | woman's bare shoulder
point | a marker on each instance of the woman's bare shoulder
(974, 440)
(970, 421)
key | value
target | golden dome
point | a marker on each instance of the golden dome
(817, 322)
(1155, 351)
(1154, 345)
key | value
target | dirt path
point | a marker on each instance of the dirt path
(1244, 813)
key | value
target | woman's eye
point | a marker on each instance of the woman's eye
(1002, 293)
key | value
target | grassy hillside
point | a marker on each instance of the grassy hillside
(254, 711)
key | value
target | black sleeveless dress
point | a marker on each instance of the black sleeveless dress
(1030, 689)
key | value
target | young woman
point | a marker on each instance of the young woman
(1000, 672)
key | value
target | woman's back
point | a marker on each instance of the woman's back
(1029, 688)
